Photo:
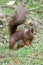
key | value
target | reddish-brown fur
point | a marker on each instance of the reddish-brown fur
(26, 35)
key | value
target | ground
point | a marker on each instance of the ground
(32, 55)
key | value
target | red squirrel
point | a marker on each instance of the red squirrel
(26, 35)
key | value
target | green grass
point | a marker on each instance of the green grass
(3, 2)
(32, 55)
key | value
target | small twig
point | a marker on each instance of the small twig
(7, 6)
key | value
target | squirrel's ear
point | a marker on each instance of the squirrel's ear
(29, 31)
(32, 30)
